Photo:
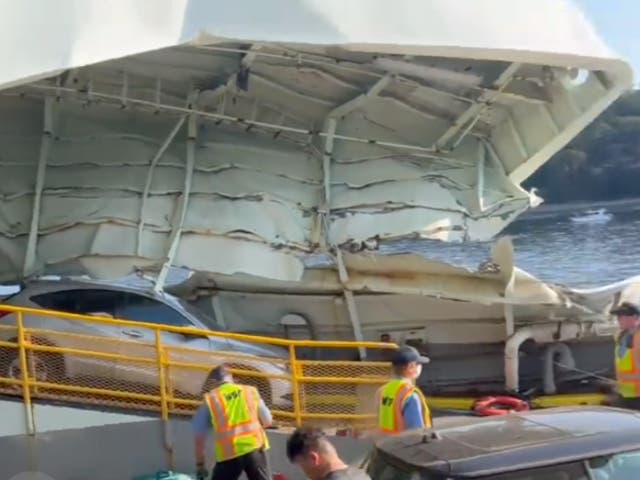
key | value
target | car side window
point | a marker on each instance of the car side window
(144, 309)
(80, 301)
(623, 466)
(380, 469)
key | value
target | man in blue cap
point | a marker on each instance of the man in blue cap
(401, 405)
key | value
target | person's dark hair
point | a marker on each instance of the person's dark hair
(304, 440)
(219, 373)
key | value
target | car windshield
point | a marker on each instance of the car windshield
(621, 466)
(199, 314)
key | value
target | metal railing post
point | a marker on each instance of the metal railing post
(295, 371)
(24, 373)
(164, 409)
(33, 343)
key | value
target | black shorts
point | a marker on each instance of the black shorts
(255, 465)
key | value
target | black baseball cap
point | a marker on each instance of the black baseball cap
(625, 308)
(405, 355)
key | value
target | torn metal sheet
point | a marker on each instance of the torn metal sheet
(402, 274)
(408, 294)
(194, 141)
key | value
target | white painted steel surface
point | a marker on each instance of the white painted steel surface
(312, 124)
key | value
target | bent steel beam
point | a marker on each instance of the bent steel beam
(325, 212)
(183, 203)
(145, 194)
(351, 304)
(47, 134)
(470, 116)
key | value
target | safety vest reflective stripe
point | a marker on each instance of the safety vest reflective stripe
(391, 399)
(387, 415)
(630, 360)
(234, 415)
(628, 368)
(222, 418)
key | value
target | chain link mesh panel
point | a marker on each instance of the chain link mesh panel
(340, 394)
(9, 359)
(92, 369)
(126, 366)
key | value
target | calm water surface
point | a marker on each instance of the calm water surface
(555, 249)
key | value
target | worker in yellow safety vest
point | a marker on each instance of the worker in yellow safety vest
(627, 355)
(401, 405)
(237, 416)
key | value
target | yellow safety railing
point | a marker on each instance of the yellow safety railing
(59, 356)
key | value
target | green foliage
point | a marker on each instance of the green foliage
(602, 163)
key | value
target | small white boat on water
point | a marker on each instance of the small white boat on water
(599, 215)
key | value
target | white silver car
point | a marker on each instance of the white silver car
(123, 302)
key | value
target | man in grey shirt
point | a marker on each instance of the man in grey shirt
(317, 457)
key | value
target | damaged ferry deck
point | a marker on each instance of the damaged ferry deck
(239, 149)
(236, 139)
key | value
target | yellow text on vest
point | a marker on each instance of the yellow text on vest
(234, 415)
(391, 399)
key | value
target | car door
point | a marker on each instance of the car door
(139, 341)
(83, 335)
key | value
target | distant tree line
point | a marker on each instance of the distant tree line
(602, 163)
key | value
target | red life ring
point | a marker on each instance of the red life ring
(501, 405)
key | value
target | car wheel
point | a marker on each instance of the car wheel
(47, 367)
(261, 384)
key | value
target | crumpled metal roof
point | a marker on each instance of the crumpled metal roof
(200, 135)
(399, 274)
(495, 285)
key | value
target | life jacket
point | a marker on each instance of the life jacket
(391, 399)
(234, 415)
(628, 367)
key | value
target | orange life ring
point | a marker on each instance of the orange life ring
(501, 405)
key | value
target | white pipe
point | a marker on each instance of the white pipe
(473, 112)
(480, 176)
(205, 115)
(565, 357)
(546, 333)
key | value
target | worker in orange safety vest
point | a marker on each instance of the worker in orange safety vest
(401, 405)
(237, 416)
(627, 355)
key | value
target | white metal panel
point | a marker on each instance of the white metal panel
(331, 139)
(93, 31)
(219, 254)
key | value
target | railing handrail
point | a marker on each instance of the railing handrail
(306, 387)
(197, 331)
